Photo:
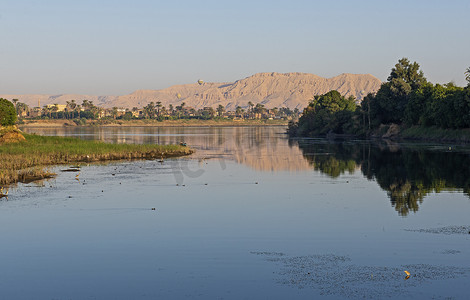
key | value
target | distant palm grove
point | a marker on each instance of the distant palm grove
(154, 110)
(406, 99)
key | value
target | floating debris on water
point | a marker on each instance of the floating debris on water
(335, 275)
(71, 170)
(444, 230)
(450, 251)
(268, 253)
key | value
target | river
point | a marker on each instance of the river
(251, 215)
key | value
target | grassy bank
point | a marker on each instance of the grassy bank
(145, 122)
(435, 134)
(27, 160)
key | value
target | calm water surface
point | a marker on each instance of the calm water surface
(251, 215)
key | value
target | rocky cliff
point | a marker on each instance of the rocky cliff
(293, 90)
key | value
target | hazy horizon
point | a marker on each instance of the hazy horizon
(117, 47)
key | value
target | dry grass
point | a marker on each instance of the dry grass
(26, 160)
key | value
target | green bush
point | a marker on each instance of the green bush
(7, 113)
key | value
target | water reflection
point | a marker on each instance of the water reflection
(406, 172)
(261, 148)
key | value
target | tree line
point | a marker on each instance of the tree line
(153, 110)
(406, 99)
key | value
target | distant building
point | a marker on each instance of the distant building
(137, 113)
(60, 107)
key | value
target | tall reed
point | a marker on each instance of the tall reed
(27, 159)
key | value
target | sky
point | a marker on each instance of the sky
(117, 47)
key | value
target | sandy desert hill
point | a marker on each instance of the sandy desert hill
(293, 90)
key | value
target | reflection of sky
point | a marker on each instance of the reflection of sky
(99, 238)
(200, 238)
(260, 148)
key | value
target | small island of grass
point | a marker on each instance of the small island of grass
(25, 157)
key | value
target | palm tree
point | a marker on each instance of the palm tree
(22, 108)
(163, 111)
(95, 111)
(250, 107)
(15, 102)
(181, 109)
(238, 110)
(71, 106)
(467, 75)
(260, 109)
(150, 110)
(114, 111)
(47, 110)
(78, 109)
(158, 105)
(220, 110)
(55, 109)
(67, 108)
(85, 104)
(99, 111)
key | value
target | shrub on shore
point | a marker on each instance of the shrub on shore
(7, 113)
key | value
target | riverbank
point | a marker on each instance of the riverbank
(27, 160)
(152, 123)
(396, 132)
(421, 133)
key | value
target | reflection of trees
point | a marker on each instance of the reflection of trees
(261, 148)
(407, 174)
(332, 159)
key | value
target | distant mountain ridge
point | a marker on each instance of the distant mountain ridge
(293, 90)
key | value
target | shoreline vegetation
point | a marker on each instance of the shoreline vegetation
(421, 133)
(151, 123)
(26, 157)
(406, 106)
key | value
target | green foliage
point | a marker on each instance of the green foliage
(81, 121)
(406, 74)
(393, 96)
(127, 116)
(7, 113)
(326, 113)
(445, 106)
(220, 110)
(406, 98)
(415, 110)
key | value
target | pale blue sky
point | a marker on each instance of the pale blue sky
(116, 47)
